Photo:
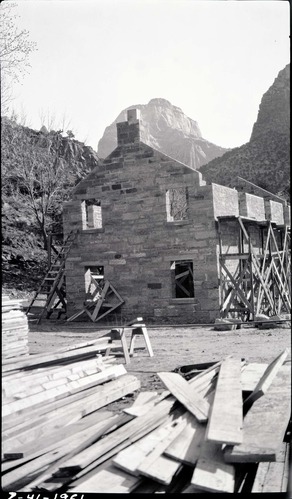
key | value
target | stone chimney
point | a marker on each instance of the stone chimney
(128, 132)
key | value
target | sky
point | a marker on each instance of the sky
(214, 59)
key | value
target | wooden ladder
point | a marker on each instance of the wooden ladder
(54, 281)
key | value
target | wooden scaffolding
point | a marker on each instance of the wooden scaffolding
(258, 281)
(101, 299)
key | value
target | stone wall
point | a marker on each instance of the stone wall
(140, 246)
(137, 245)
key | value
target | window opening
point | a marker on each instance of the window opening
(177, 204)
(182, 279)
(91, 214)
(94, 282)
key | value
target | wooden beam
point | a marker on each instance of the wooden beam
(40, 379)
(157, 466)
(38, 360)
(69, 445)
(146, 453)
(235, 256)
(270, 476)
(212, 473)
(139, 410)
(133, 456)
(79, 445)
(185, 448)
(143, 398)
(251, 374)
(265, 423)
(236, 284)
(267, 378)
(183, 392)
(52, 439)
(107, 479)
(126, 435)
(63, 390)
(226, 414)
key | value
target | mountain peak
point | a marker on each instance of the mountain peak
(166, 128)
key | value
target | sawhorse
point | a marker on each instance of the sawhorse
(137, 328)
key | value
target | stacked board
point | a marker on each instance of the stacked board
(53, 405)
(14, 328)
(224, 430)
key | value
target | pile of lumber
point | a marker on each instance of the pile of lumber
(224, 430)
(14, 328)
(52, 405)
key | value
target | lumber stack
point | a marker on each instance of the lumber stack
(224, 430)
(14, 328)
(54, 404)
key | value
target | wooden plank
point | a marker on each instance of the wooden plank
(110, 425)
(63, 390)
(124, 346)
(66, 363)
(273, 480)
(52, 439)
(157, 466)
(111, 448)
(108, 479)
(186, 447)
(126, 435)
(69, 445)
(226, 414)
(251, 374)
(89, 400)
(144, 397)
(287, 470)
(269, 475)
(58, 389)
(139, 410)
(99, 303)
(133, 456)
(265, 423)
(83, 344)
(32, 383)
(44, 359)
(211, 473)
(10, 444)
(147, 341)
(267, 378)
(183, 392)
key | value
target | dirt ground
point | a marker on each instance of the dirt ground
(173, 347)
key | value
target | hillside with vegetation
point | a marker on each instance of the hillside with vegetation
(38, 171)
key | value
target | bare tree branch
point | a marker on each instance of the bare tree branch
(15, 49)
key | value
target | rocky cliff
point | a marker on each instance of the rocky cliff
(265, 159)
(166, 128)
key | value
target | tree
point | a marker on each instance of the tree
(42, 178)
(15, 49)
(34, 174)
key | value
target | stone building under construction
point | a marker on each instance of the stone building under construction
(154, 240)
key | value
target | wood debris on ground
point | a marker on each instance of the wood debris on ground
(223, 430)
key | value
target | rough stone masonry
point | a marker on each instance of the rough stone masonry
(149, 224)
